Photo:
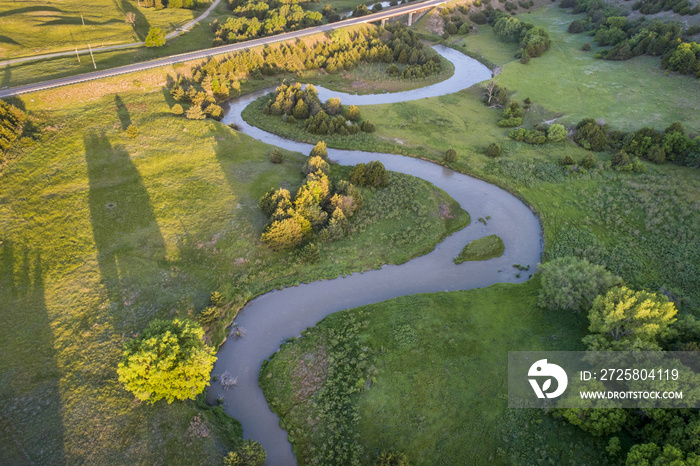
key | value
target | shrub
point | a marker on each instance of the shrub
(556, 133)
(590, 135)
(276, 156)
(177, 109)
(528, 136)
(478, 18)
(168, 360)
(251, 453)
(283, 234)
(216, 299)
(493, 150)
(577, 26)
(392, 459)
(316, 163)
(208, 315)
(11, 122)
(510, 122)
(373, 175)
(572, 284)
(367, 127)
(587, 162)
(155, 37)
(309, 254)
(586, 47)
(353, 113)
(132, 131)
(450, 155)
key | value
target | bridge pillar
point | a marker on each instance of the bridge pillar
(410, 18)
(383, 22)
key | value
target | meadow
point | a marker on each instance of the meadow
(575, 85)
(31, 27)
(431, 380)
(101, 233)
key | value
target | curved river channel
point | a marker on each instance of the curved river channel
(271, 318)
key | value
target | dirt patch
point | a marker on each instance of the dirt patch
(434, 23)
(310, 374)
(445, 212)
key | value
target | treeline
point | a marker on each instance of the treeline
(624, 319)
(219, 78)
(259, 18)
(160, 4)
(318, 207)
(534, 41)
(294, 104)
(650, 7)
(629, 39)
(672, 144)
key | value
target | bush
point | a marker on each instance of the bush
(587, 162)
(251, 453)
(372, 175)
(450, 155)
(316, 163)
(283, 234)
(478, 18)
(493, 150)
(367, 127)
(177, 109)
(353, 113)
(309, 254)
(586, 47)
(155, 37)
(567, 160)
(590, 135)
(510, 122)
(168, 360)
(572, 284)
(276, 156)
(556, 133)
(132, 131)
(528, 136)
(320, 150)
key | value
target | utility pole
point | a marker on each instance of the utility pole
(82, 19)
(91, 56)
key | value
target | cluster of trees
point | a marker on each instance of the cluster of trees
(651, 7)
(672, 144)
(258, 18)
(315, 208)
(202, 95)
(540, 134)
(340, 50)
(160, 4)
(168, 360)
(408, 49)
(628, 39)
(12, 121)
(534, 41)
(294, 104)
(622, 319)
(372, 175)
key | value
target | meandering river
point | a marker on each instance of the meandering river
(275, 316)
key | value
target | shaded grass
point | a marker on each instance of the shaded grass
(36, 28)
(481, 249)
(436, 385)
(102, 233)
(628, 94)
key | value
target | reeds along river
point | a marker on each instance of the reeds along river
(275, 316)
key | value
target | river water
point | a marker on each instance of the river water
(275, 316)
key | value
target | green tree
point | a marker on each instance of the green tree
(556, 133)
(353, 113)
(571, 283)
(314, 164)
(493, 150)
(283, 234)
(450, 155)
(195, 113)
(251, 453)
(276, 156)
(628, 319)
(177, 109)
(392, 459)
(155, 37)
(168, 360)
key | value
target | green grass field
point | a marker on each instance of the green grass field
(101, 233)
(481, 249)
(31, 27)
(436, 385)
(627, 95)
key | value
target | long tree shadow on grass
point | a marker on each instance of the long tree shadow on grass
(130, 246)
(141, 24)
(122, 112)
(31, 421)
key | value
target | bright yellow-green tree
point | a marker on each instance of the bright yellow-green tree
(168, 360)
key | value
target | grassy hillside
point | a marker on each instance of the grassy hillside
(102, 233)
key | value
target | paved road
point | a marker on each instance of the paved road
(172, 59)
(182, 29)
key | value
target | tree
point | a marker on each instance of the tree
(132, 131)
(392, 459)
(177, 109)
(590, 135)
(11, 122)
(195, 113)
(168, 360)
(283, 234)
(556, 133)
(624, 318)
(573, 284)
(130, 18)
(353, 113)
(316, 163)
(251, 453)
(320, 150)
(333, 106)
(450, 155)
(155, 37)
(276, 156)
